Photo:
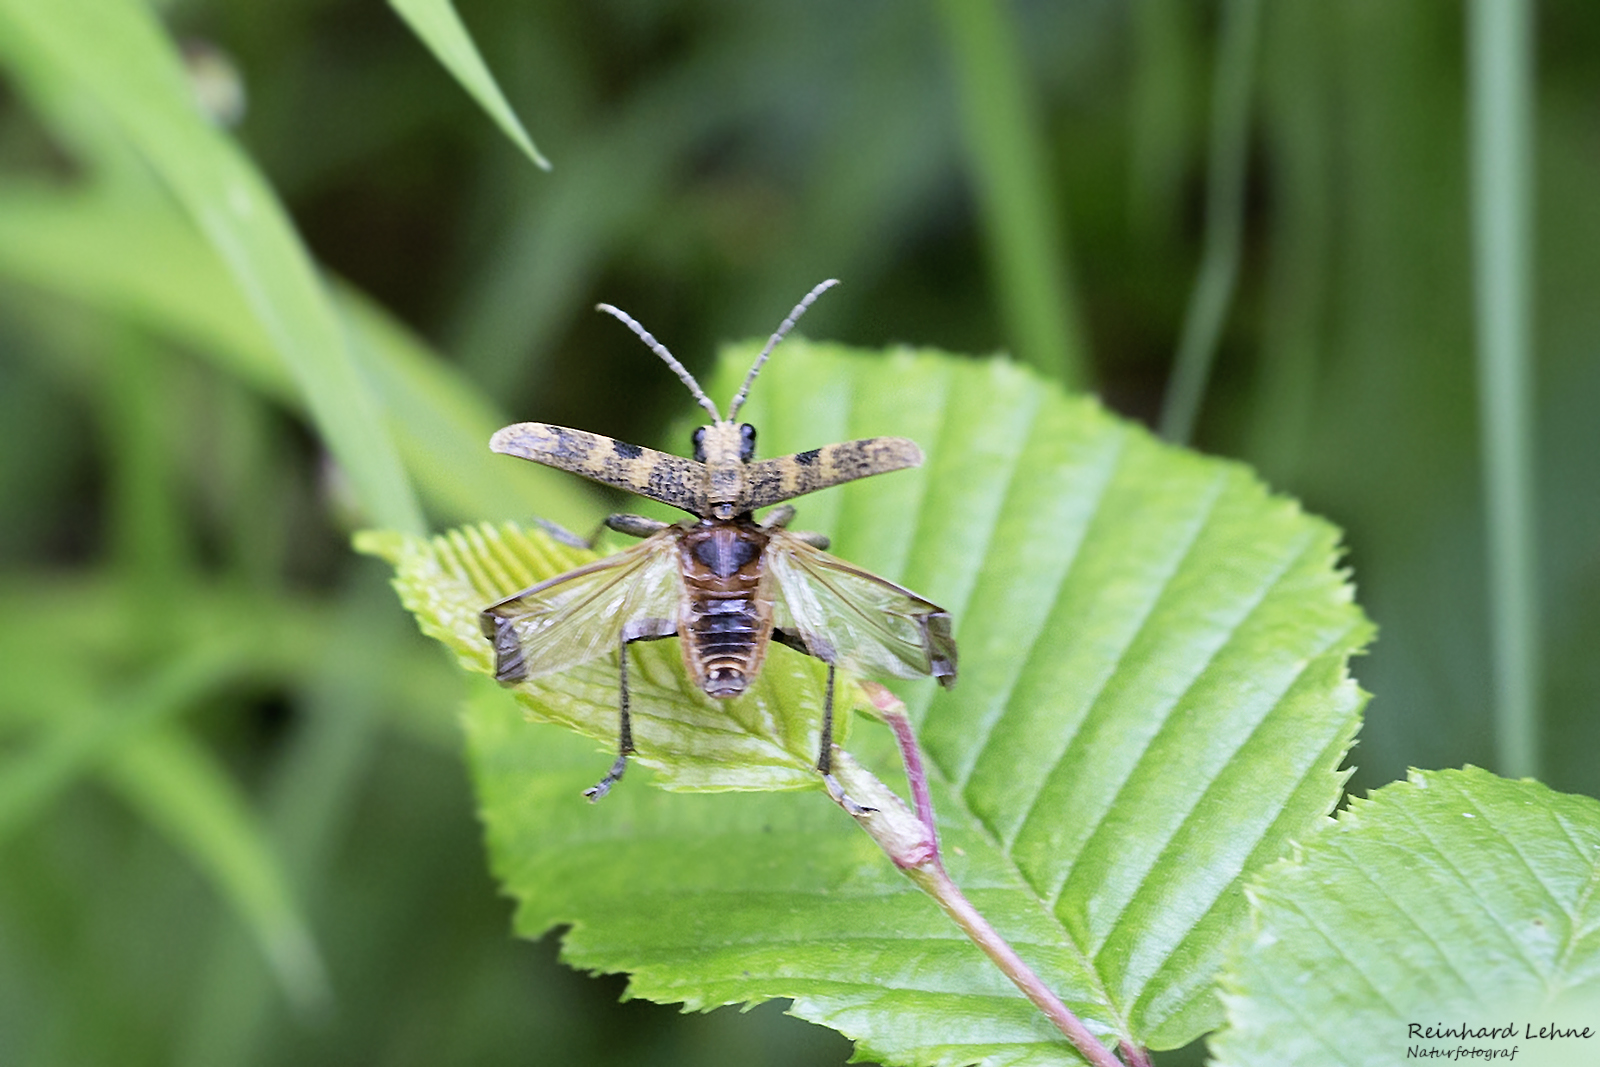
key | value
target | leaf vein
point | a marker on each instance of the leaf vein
(1193, 537)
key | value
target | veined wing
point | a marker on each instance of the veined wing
(586, 613)
(855, 619)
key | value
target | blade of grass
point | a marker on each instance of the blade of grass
(1010, 168)
(117, 54)
(1298, 136)
(138, 397)
(180, 788)
(76, 739)
(1500, 66)
(314, 786)
(556, 243)
(1219, 264)
(1162, 114)
(96, 246)
(439, 27)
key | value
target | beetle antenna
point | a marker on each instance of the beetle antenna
(783, 328)
(667, 357)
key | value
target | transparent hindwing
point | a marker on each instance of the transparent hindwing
(584, 614)
(855, 619)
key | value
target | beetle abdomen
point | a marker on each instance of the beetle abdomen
(727, 619)
(729, 638)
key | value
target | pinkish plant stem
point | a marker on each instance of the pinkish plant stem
(915, 850)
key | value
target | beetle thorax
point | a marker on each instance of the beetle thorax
(724, 447)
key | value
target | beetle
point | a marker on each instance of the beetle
(724, 583)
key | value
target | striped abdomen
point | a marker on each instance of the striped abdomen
(727, 618)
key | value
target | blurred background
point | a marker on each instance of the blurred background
(234, 824)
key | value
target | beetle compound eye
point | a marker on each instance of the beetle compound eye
(699, 440)
(747, 442)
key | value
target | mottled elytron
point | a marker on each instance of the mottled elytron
(724, 583)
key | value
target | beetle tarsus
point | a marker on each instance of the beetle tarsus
(565, 536)
(841, 798)
(613, 776)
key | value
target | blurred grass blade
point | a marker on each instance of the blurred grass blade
(1500, 64)
(1298, 137)
(183, 791)
(1010, 170)
(1219, 266)
(1162, 113)
(77, 739)
(439, 26)
(95, 247)
(309, 803)
(116, 52)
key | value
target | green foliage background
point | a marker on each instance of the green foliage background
(234, 825)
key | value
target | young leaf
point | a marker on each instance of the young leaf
(1153, 702)
(1454, 899)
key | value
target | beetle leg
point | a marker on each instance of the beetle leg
(624, 735)
(825, 758)
(638, 630)
(779, 518)
(825, 755)
(633, 525)
(564, 535)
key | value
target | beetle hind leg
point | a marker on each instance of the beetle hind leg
(825, 754)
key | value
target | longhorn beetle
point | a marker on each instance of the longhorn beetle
(725, 584)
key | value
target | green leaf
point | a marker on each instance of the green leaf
(1153, 703)
(1455, 898)
(439, 26)
(115, 53)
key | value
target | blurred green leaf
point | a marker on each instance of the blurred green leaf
(439, 26)
(117, 53)
(1453, 898)
(1153, 703)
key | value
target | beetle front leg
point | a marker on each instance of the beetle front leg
(780, 517)
(633, 525)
